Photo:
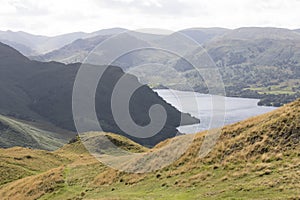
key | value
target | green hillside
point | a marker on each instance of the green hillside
(14, 132)
(254, 62)
(254, 159)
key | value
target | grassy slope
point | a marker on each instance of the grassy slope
(254, 159)
(15, 132)
(18, 162)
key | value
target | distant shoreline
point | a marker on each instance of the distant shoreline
(236, 108)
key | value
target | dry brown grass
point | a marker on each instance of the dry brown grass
(107, 177)
(17, 162)
(130, 179)
(267, 135)
(260, 146)
(33, 187)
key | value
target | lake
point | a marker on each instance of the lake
(236, 109)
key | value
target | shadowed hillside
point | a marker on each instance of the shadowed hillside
(253, 159)
(42, 92)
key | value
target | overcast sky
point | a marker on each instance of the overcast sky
(53, 17)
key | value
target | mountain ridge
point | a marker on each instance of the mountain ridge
(254, 62)
(42, 92)
(32, 45)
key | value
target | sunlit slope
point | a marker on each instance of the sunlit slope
(254, 159)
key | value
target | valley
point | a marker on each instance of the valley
(45, 154)
(254, 62)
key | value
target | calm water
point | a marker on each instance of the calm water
(236, 109)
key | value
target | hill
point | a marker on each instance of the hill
(42, 92)
(254, 62)
(24, 42)
(32, 45)
(79, 49)
(15, 132)
(254, 159)
(203, 35)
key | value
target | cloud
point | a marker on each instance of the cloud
(147, 7)
(62, 16)
(29, 8)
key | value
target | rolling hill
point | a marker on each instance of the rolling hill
(203, 35)
(254, 62)
(254, 159)
(31, 45)
(79, 49)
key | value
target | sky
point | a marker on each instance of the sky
(54, 17)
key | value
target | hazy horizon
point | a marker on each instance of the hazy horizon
(60, 17)
(146, 29)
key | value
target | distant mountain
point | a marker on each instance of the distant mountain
(256, 158)
(109, 31)
(202, 35)
(79, 49)
(25, 50)
(40, 92)
(254, 62)
(36, 44)
(73, 52)
(255, 46)
(31, 45)
(297, 30)
(259, 48)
